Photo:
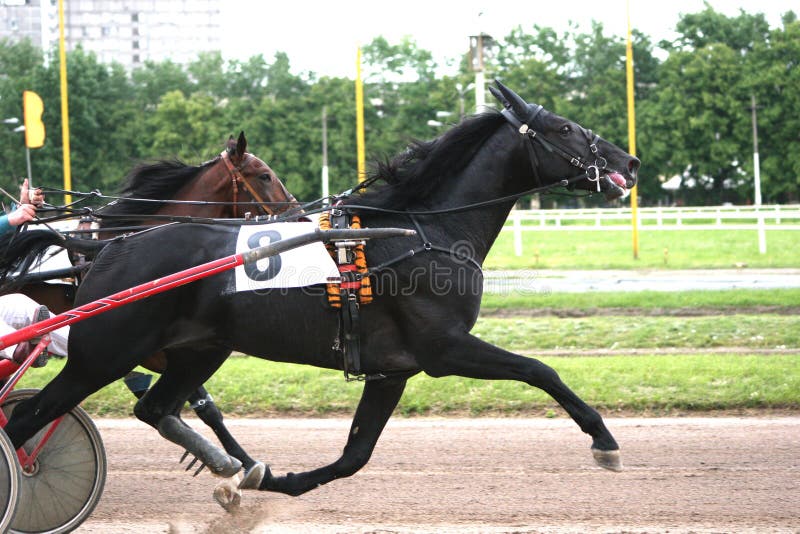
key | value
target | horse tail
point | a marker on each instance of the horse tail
(20, 251)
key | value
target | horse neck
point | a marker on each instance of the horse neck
(489, 177)
(209, 186)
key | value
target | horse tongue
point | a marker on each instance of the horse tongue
(617, 179)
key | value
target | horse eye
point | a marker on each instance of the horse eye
(265, 177)
(565, 130)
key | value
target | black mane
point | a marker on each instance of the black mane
(412, 175)
(154, 181)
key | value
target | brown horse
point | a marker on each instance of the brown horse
(231, 185)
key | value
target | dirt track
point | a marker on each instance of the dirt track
(475, 475)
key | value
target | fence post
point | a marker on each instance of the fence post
(762, 235)
(516, 217)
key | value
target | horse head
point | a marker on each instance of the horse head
(256, 178)
(601, 165)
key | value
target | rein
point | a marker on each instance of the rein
(592, 172)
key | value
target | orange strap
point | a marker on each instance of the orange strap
(359, 265)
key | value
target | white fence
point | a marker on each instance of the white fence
(761, 218)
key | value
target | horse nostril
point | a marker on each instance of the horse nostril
(633, 166)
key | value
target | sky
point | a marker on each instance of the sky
(323, 35)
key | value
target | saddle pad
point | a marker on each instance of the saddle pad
(299, 267)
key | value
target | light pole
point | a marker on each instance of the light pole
(762, 238)
(325, 190)
(462, 91)
(18, 129)
(478, 46)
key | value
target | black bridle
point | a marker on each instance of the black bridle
(592, 171)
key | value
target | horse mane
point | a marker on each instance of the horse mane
(160, 180)
(414, 174)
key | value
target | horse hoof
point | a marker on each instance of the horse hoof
(252, 478)
(227, 495)
(610, 460)
(229, 468)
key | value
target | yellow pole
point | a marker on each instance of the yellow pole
(360, 120)
(62, 57)
(632, 132)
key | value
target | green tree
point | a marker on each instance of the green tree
(703, 98)
(774, 79)
(401, 95)
(186, 128)
(19, 63)
(100, 101)
(154, 79)
(208, 76)
(703, 111)
(741, 33)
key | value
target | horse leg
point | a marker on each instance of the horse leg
(377, 403)
(160, 406)
(466, 355)
(203, 405)
(63, 393)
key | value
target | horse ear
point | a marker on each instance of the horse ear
(230, 146)
(499, 96)
(511, 100)
(241, 145)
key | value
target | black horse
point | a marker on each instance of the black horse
(456, 191)
(224, 187)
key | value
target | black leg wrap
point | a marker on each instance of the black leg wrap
(203, 405)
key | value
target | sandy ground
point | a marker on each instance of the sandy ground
(702, 475)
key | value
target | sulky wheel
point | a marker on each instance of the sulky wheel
(9, 482)
(63, 486)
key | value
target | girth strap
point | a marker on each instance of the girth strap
(426, 246)
(350, 330)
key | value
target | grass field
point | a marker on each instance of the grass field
(722, 301)
(687, 379)
(671, 249)
(652, 384)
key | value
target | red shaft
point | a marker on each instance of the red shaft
(190, 275)
(123, 297)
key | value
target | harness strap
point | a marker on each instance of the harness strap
(347, 295)
(235, 186)
(425, 247)
(351, 324)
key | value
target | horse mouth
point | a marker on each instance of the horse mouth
(614, 186)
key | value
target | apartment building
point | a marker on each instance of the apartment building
(129, 32)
